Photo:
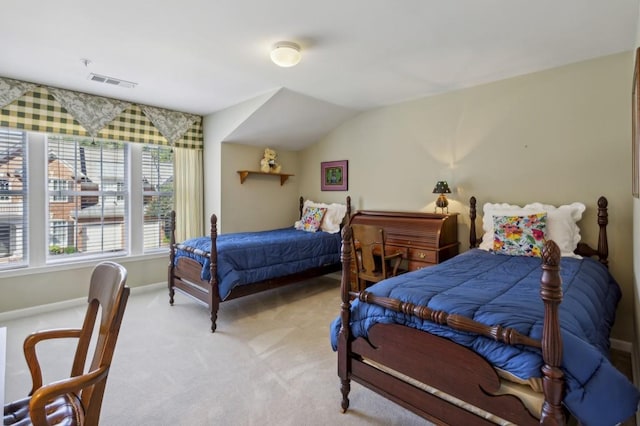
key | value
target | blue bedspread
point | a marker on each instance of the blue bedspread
(498, 289)
(248, 257)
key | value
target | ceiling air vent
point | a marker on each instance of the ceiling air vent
(111, 80)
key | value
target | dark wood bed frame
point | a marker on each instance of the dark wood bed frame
(184, 275)
(449, 367)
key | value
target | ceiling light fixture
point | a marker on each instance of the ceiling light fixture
(286, 53)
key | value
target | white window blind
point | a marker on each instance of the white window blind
(13, 196)
(87, 209)
(157, 187)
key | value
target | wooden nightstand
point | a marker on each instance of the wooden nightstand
(425, 239)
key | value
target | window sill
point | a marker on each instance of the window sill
(62, 265)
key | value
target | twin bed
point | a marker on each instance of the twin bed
(216, 268)
(455, 342)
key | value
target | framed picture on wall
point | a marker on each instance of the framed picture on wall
(334, 175)
(635, 128)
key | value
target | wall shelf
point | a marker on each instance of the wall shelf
(245, 173)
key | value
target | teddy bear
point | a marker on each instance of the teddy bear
(268, 163)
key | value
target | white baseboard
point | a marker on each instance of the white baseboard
(621, 345)
(65, 304)
(335, 275)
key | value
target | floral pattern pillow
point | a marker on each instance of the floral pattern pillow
(311, 219)
(519, 235)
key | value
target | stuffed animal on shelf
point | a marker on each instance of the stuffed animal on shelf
(268, 163)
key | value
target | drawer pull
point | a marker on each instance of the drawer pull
(422, 255)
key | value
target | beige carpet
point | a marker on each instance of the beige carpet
(269, 362)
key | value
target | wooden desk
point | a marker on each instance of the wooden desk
(3, 361)
(425, 239)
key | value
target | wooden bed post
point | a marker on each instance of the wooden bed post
(603, 221)
(172, 254)
(553, 380)
(214, 292)
(473, 239)
(300, 207)
(348, 215)
(344, 338)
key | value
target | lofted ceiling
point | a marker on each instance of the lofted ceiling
(203, 56)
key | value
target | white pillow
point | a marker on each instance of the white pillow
(332, 218)
(499, 209)
(561, 223)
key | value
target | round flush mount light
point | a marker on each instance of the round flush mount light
(285, 53)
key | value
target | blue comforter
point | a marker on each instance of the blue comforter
(248, 257)
(498, 289)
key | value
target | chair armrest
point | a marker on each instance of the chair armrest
(393, 255)
(398, 257)
(31, 356)
(46, 393)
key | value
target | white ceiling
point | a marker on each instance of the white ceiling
(202, 56)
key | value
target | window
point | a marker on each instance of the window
(5, 186)
(87, 197)
(87, 206)
(58, 239)
(157, 184)
(13, 192)
(59, 188)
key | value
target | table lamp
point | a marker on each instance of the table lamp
(442, 187)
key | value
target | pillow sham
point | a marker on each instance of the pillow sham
(333, 216)
(311, 219)
(561, 223)
(519, 235)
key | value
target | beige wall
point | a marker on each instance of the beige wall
(218, 178)
(39, 286)
(260, 202)
(556, 136)
(636, 270)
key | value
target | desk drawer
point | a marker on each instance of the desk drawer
(415, 265)
(422, 255)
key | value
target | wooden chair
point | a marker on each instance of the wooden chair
(372, 261)
(78, 399)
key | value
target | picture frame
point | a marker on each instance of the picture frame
(635, 128)
(334, 175)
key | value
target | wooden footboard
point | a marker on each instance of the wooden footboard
(184, 275)
(404, 350)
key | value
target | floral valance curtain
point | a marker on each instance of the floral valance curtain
(40, 108)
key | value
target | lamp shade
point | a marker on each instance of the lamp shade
(442, 187)
(285, 54)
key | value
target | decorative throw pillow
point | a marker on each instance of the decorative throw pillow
(311, 219)
(562, 225)
(519, 235)
(332, 218)
(499, 209)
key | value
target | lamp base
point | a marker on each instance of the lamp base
(443, 203)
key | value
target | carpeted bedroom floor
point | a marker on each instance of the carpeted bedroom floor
(269, 362)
